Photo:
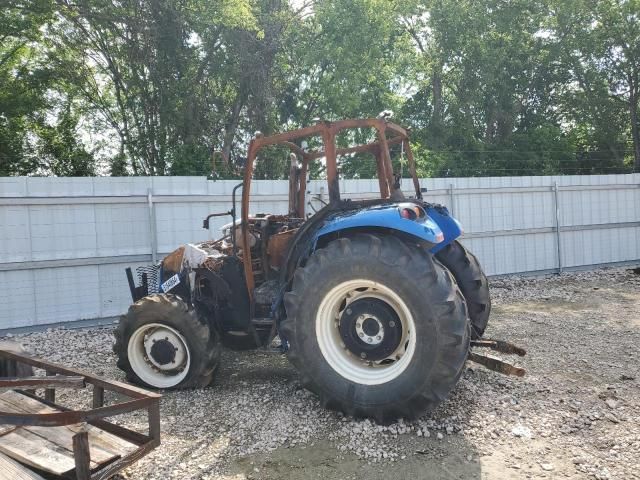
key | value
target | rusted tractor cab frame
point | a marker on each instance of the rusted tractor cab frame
(387, 134)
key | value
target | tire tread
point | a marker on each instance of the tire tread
(439, 286)
(205, 342)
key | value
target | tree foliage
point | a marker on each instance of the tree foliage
(157, 86)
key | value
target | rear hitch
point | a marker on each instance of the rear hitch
(499, 346)
(496, 364)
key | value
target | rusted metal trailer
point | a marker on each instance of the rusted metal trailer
(40, 438)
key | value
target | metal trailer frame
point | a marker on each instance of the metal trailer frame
(62, 377)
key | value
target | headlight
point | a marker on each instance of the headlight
(412, 212)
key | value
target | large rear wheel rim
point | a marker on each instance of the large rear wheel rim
(151, 358)
(343, 355)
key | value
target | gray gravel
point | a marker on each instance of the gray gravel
(575, 415)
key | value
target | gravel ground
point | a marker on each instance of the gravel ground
(575, 415)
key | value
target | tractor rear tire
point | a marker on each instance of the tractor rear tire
(473, 283)
(163, 343)
(347, 290)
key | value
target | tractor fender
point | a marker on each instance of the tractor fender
(371, 215)
(450, 227)
(385, 217)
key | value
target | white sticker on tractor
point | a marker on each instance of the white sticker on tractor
(169, 284)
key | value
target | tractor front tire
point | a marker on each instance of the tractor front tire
(473, 283)
(163, 343)
(376, 328)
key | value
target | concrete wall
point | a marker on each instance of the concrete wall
(64, 242)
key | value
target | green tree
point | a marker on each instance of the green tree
(601, 46)
(23, 84)
(166, 86)
(60, 151)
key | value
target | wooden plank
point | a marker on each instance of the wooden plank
(11, 469)
(120, 433)
(105, 445)
(97, 437)
(106, 441)
(63, 437)
(7, 428)
(30, 449)
(14, 402)
(6, 405)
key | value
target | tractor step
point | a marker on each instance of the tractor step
(496, 364)
(262, 322)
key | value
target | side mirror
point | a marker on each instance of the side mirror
(205, 222)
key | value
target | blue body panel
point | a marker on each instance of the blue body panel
(450, 227)
(437, 227)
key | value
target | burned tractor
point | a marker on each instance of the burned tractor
(375, 301)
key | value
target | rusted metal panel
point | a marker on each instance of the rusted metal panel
(501, 346)
(329, 139)
(58, 381)
(302, 191)
(369, 147)
(412, 168)
(496, 365)
(382, 181)
(173, 261)
(294, 185)
(385, 162)
(278, 245)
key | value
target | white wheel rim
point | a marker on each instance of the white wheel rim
(331, 344)
(159, 374)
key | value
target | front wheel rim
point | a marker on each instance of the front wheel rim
(349, 362)
(159, 355)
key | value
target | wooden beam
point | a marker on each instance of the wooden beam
(82, 455)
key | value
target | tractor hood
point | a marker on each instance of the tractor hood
(406, 217)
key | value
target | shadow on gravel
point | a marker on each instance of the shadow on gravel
(453, 457)
(256, 374)
(425, 459)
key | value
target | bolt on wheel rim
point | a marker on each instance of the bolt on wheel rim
(372, 335)
(371, 313)
(159, 355)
